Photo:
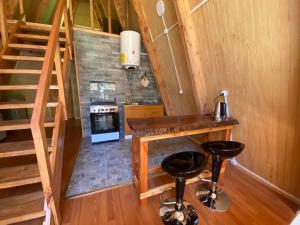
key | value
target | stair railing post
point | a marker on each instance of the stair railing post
(60, 79)
(3, 25)
(43, 159)
(21, 8)
(68, 31)
(57, 153)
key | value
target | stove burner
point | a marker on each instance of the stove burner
(104, 107)
(104, 103)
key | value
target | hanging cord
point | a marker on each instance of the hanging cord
(166, 32)
(197, 6)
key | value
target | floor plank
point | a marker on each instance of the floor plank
(252, 204)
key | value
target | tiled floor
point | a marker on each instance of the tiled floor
(100, 166)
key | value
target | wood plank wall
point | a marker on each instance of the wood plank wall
(178, 104)
(252, 49)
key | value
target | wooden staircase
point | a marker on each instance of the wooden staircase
(30, 189)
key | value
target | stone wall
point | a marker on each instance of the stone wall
(97, 58)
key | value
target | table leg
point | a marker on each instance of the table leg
(135, 159)
(207, 137)
(143, 170)
(228, 134)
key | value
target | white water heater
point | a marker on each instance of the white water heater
(130, 45)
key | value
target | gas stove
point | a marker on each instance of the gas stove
(104, 107)
(104, 121)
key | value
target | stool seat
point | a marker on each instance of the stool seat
(224, 149)
(219, 150)
(184, 164)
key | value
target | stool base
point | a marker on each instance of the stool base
(170, 216)
(220, 204)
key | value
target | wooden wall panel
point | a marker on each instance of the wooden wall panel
(252, 49)
(178, 104)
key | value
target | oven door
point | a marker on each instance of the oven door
(104, 122)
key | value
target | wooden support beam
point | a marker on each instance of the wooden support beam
(121, 15)
(68, 32)
(60, 80)
(152, 52)
(71, 11)
(103, 8)
(98, 14)
(21, 7)
(159, 189)
(126, 13)
(190, 40)
(57, 143)
(3, 25)
(135, 160)
(109, 16)
(143, 170)
(92, 14)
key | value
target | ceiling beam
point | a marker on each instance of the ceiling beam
(191, 48)
(121, 15)
(152, 53)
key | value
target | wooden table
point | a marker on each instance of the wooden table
(150, 129)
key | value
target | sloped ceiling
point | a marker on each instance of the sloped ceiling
(39, 11)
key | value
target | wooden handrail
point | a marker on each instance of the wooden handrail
(50, 168)
(39, 110)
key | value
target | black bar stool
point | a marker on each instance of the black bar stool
(219, 150)
(182, 166)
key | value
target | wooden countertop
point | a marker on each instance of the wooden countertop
(143, 127)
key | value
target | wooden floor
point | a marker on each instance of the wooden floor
(252, 204)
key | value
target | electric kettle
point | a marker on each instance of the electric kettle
(220, 109)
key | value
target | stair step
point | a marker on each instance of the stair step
(22, 71)
(30, 47)
(6, 125)
(19, 148)
(35, 37)
(21, 208)
(22, 105)
(24, 58)
(24, 87)
(15, 176)
(37, 28)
